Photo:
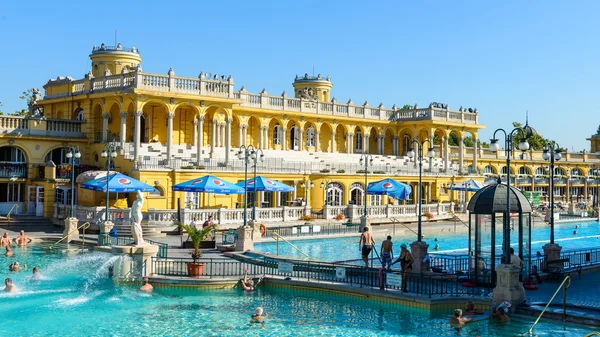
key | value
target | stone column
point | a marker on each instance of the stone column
(429, 145)
(366, 144)
(240, 135)
(261, 140)
(123, 128)
(446, 154)
(351, 143)
(460, 154)
(220, 134)
(170, 116)
(317, 135)
(347, 137)
(244, 240)
(195, 133)
(227, 139)
(301, 140)
(71, 231)
(380, 145)
(200, 140)
(213, 138)
(105, 117)
(137, 135)
(333, 142)
(245, 138)
(266, 137)
(475, 152)
(283, 138)
(419, 251)
(428, 192)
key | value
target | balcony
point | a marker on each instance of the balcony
(43, 127)
(64, 171)
(13, 170)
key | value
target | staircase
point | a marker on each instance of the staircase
(25, 222)
(124, 230)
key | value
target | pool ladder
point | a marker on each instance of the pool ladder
(82, 227)
(564, 285)
(277, 237)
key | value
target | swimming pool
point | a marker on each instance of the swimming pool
(346, 248)
(75, 297)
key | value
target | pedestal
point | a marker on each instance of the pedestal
(105, 228)
(547, 216)
(244, 240)
(71, 231)
(364, 222)
(134, 262)
(255, 227)
(419, 251)
(507, 285)
(551, 252)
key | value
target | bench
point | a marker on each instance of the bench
(561, 267)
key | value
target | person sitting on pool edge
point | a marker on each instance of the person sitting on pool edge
(8, 285)
(147, 287)
(471, 309)
(457, 319)
(258, 316)
(23, 240)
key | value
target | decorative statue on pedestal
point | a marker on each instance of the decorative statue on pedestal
(34, 109)
(135, 218)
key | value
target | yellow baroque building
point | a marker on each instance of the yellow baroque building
(171, 129)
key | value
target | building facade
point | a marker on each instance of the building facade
(171, 129)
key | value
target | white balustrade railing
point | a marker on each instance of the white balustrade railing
(8, 123)
(168, 217)
(221, 87)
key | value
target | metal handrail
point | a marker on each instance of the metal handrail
(276, 237)
(592, 334)
(455, 218)
(84, 227)
(563, 285)
(11, 209)
(394, 221)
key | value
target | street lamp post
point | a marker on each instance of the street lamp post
(110, 151)
(72, 155)
(258, 156)
(495, 147)
(419, 154)
(367, 160)
(552, 153)
(246, 153)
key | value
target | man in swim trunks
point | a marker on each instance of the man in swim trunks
(406, 261)
(5, 240)
(8, 285)
(387, 253)
(366, 245)
(23, 240)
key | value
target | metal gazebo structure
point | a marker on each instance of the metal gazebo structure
(484, 206)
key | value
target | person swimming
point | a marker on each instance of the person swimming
(147, 287)
(457, 320)
(9, 251)
(36, 274)
(258, 316)
(8, 285)
(471, 309)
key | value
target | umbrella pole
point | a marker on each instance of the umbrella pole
(179, 220)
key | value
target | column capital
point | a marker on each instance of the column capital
(123, 114)
(229, 120)
(284, 129)
(301, 130)
(333, 133)
(170, 115)
(106, 115)
(138, 113)
(195, 122)
(200, 118)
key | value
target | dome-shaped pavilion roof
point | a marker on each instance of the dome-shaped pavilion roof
(492, 199)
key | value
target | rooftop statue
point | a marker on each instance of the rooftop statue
(34, 109)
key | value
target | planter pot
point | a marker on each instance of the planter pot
(195, 269)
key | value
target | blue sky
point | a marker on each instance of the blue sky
(502, 57)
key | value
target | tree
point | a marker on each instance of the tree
(485, 145)
(468, 141)
(453, 139)
(1, 112)
(598, 131)
(407, 107)
(536, 142)
(27, 96)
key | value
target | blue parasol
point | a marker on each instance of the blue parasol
(208, 184)
(390, 187)
(264, 184)
(470, 185)
(117, 182)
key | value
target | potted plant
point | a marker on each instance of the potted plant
(340, 217)
(196, 236)
(428, 215)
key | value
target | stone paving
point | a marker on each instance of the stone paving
(581, 293)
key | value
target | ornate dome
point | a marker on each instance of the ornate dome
(492, 199)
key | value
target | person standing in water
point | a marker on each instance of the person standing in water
(387, 253)
(23, 240)
(9, 251)
(9, 286)
(406, 261)
(365, 245)
(5, 240)
(147, 287)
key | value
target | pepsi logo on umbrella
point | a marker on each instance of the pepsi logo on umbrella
(101, 180)
(250, 182)
(196, 182)
(387, 185)
(218, 182)
(124, 181)
(270, 182)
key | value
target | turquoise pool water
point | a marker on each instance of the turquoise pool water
(346, 248)
(75, 297)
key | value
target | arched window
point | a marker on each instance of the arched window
(79, 116)
(576, 172)
(523, 170)
(310, 136)
(356, 194)
(192, 200)
(541, 171)
(277, 135)
(335, 194)
(359, 142)
(12, 154)
(488, 169)
(559, 171)
(504, 170)
(158, 192)
(59, 157)
(407, 142)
